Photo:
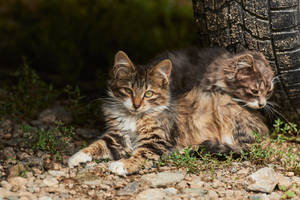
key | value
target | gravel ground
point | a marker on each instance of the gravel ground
(27, 174)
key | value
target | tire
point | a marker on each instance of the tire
(269, 26)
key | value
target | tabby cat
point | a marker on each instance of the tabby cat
(144, 121)
(139, 116)
(221, 113)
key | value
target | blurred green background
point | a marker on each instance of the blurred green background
(74, 41)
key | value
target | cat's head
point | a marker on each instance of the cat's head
(248, 77)
(140, 89)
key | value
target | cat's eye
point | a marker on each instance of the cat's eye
(255, 92)
(148, 94)
(127, 90)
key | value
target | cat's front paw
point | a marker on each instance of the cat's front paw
(117, 167)
(79, 157)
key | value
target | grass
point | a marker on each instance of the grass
(28, 96)
(52, 140)
(276, 150)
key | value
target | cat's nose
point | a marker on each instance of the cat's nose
(136, 103)
(136, 106)
(262, 104)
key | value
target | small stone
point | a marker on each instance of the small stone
(243, 171)
(196, 183)
(290, 174)
(58, 173)
(22, 155)
(284, 181)
(233, 170)
(228, 193)
(182, 184)
(91, 193)
(217, 184)
(171, 191)
(195, 192)
(50, 181)
(6, 185)
(150, 194)
(27, 196)
(12, 197)
(5, 193)
(36, 171)
(129, 189)
(264, 180)
(212, 195)
(57, 113)
(163, 178)
(259, 197)
(275, 196)
(45, 198)
(17, 182)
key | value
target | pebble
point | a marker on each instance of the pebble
(212, 195)
(58, 173)
(5, 193)
(284, 181)
(129, 189)
(163, 178)
(195, 192)
(151, 194)
(45, 198)
(17, 182)
(196, 183)
(57, 113)
(50, 181)
(290, 174)
(264, 180)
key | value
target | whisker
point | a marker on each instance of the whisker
(278, 113)
(273, 104)
(269, 113)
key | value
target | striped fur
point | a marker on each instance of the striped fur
(222, 113)
(138, 121)
(142, 126)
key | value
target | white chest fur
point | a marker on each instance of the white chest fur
(127, 124)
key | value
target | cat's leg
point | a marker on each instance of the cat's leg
(149, 150)
(245, 127)
(111, 146)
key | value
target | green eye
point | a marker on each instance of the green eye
(148, 94)
(127, 90)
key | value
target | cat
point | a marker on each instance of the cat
(144, 121)
(139, 115)
(221, 113)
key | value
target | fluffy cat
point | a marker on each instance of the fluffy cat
(138, 114)
(144, 121)
(221, 113)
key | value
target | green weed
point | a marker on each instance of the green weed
(52, 140)
(28, 96)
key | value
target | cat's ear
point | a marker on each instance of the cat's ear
(162, 69)
(244, 61)
(122, 65)
(240, 67)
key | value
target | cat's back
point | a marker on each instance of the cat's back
(189, 66)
